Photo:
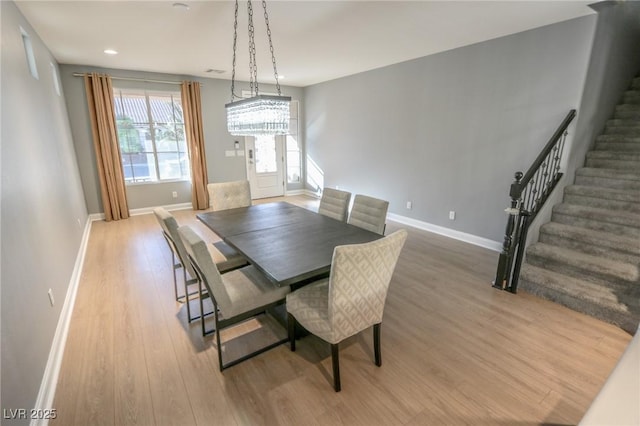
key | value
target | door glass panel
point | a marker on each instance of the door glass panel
(266, 159)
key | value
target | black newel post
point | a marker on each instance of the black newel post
(522, 238)
(506, 257)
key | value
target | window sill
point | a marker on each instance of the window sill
(157, 182)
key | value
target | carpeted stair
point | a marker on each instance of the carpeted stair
(588, 256)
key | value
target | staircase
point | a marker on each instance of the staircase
(588, 256)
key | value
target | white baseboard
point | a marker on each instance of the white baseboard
(170, 207)
(306, 192)
(447, 232)
(146, 210)
(47, 391)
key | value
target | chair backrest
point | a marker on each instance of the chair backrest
(335, 204)
(170, 229)
(358, 283)
(205, 267)
(369, 213)
(229, 195)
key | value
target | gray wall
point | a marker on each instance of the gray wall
(448, 131)
(43, 211)
(214, 94)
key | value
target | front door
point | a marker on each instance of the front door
(265, 165)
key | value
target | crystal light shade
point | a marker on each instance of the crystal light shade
(259, 115)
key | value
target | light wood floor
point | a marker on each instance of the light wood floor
(454, 350)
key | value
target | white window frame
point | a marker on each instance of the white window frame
(157, 179)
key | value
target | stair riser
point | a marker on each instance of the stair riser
(612, 316)
(625, 122)
(608, 183)
(602, 203)
(613, 164)
(633, 131)
(631, 98)
(618, 147)
(600, 278)
(604, 193)
(596, 225)
(614, 156)
(627, 115)
(618, 139)
(589, 248)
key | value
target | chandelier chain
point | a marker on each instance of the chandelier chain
(253, 65)
(235, 42)
(273, 56)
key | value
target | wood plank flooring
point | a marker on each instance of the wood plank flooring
(455, 351)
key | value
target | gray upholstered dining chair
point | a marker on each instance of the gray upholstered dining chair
(225, 196)
(237, 295)
(335, 204)
(369, 213)
(229, 195)
(225, 260)
(351, 299)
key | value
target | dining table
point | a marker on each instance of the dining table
(291, 245)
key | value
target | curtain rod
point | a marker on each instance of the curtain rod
(144, 80)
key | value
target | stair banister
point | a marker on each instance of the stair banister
(528, 193)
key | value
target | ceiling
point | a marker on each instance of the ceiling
(314, 41)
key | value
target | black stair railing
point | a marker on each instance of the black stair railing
(528, 193)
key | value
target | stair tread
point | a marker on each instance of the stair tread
(575, 287)
(617, 147)
(618, 138)
(606, 215)
(587, 262)
(630, 195)
(627, 107)
(608, 173)
(614, 155)
(603, 238)
(623, 122)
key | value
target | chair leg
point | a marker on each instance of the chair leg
(175, 280)
(218, 343)
(202, 324)
(186, 296)
(376, 344)
(291, 328)
(335, 361)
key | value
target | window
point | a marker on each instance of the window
(294, 164)
(293, 160)
(28, 50)
(151, 135)
(54, 76)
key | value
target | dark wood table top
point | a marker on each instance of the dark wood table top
(289, 244)
(230, 222)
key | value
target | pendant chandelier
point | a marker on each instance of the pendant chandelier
(259, 114)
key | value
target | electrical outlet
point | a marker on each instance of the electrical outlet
(409, 205)
(175, 194)
(51, 300)
(452, 215)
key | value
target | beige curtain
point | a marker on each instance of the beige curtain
(191, 106)
(105, 140)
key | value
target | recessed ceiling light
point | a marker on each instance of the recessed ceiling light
(182, 6)
(281, 77)
(110, 52)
